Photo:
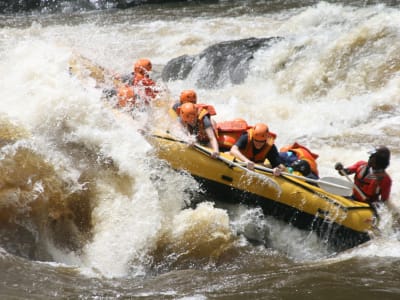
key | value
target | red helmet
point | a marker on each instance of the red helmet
(260, 132)
(188, 112)
(188, 96)
(142, 66)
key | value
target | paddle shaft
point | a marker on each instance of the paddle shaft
(221, 158)
(317, 181)
(232, 163)
(343, 172)
(343, 190)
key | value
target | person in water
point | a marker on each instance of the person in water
(299, 158)
(145, 88)
(255, 145)
(138, 82)
(372, 183)
(197, 120)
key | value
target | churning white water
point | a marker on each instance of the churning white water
(332, 83)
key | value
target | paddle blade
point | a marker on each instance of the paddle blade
(336, 186)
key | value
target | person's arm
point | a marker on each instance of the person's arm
(235, 151)
(385, 189)
(275, 161)
(213, 142)
(273, 157)
(209, 129)
(349, 170)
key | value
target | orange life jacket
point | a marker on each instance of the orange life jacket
(303, 153)
(199, 106)
(228, 132)
(370, 184)
(262, 154)
(199, 129)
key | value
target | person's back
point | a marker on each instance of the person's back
(229, 132)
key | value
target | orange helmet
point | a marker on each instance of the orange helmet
(188, 112)
(142, 66)
(125, 95)
(260, 132)
(188, 96)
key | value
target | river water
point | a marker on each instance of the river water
(87, 211)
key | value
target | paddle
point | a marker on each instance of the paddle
(332, 185)
(231, 163)
(343, 172)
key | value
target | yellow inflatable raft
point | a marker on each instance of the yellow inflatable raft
(343, 223)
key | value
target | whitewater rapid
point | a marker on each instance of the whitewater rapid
(332, 83)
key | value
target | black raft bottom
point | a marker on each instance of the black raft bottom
(337, 237)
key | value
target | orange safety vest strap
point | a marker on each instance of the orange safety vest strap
(202, 135)
(208, 107)
(369, 184)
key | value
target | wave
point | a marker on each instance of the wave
(57, 6)
(52, 6)
(83, 190)
(62, 6)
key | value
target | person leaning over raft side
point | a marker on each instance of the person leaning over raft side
(255, 145)
(370, 177)
(300, 159)
(197, 120)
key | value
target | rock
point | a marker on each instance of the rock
(218, 65)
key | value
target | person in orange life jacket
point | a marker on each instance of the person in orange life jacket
(145, 87)
(198, 122)
(370, 177)
(255, 145)
(186, 96)
(299, 158)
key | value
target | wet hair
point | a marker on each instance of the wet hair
(382, 157)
